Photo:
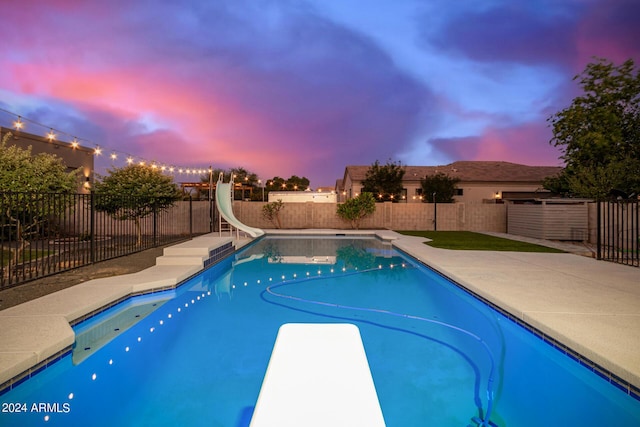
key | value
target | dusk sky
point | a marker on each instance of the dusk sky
(305, 87)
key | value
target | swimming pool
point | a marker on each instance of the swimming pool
(197, 355)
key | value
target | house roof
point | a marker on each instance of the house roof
(470, 171)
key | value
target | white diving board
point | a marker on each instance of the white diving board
(318, 375)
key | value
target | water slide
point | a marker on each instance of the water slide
(224, 193)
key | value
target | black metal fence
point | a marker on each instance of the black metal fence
(618, 232)
(44, 234)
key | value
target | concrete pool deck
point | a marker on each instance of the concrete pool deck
(591, 307)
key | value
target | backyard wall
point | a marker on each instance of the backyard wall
(173, 221)
(394, 216)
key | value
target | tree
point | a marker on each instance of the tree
(558, 184)
(294, 183)
(442, 185)
(25, 181)
(297, 184)
(134, 192)
(271, 212)
(599, 134)
(357, 208)
(21, 171)
(385, 182)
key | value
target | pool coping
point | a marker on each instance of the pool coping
(39, 332)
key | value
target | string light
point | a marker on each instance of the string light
(18, 124)
(75, 143)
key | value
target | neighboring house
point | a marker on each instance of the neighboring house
(480, 181)
(73, 157)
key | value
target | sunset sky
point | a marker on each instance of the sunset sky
(305, 87)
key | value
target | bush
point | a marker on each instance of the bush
(354, 210)
(271, 212)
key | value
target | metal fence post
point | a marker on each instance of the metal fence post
(190, 217)
(155, 225)
(598, 230)
(92, 227)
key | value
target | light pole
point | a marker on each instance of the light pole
(435, 213)
(210, 182)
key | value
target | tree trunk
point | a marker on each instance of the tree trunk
(138, 232)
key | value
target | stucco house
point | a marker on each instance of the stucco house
(480, 181)
(74, 157)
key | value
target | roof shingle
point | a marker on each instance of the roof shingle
(471, 171)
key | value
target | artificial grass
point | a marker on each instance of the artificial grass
(468, 240)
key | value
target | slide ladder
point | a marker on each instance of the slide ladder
(224, 202)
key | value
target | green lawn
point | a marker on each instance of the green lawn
(28, 255)
(467, 240)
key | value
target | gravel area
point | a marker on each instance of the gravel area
(113, 267)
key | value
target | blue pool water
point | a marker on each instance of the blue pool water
(197, 355)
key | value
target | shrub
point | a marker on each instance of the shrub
(354, 210)
(271, 212)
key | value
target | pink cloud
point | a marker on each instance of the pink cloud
(526, 144)
(197, 95)
(567, 35)
(609, 30)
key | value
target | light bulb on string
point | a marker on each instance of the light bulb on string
(53, 135)
(18, 124)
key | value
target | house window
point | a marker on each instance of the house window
(419, 191)
(458, 192)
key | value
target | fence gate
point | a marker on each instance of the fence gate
(618, 231)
